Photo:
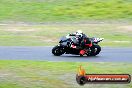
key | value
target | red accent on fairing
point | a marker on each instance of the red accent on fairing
(82, 52)
(89, 44)
(73, 46)
(85, 40)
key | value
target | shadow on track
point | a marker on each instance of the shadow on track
(77, 56)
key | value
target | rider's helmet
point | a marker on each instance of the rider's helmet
(79, 34)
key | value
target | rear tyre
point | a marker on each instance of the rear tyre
(95, 50)
(58, 50)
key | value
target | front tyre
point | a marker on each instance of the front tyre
(57, 50)
(95, 50)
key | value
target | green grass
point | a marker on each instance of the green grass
(48, 34)
(64, 10)
(44, 11)
(37, 11)
(42, 74)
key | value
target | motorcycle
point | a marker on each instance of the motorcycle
(64, 47)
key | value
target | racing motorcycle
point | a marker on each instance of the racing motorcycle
(64, 47)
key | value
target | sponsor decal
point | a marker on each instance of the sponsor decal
(83, 78)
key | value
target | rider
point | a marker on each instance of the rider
(78, 36)
(83, 41)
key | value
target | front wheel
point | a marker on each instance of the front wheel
(95, 50)
(57, 50)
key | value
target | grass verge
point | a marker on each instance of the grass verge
(42, 74)
(64, 10)
(119, 34)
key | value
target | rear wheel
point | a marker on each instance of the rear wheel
(58, 50)
(95, 50)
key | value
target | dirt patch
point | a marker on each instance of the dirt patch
(15, 29)
(127, 28)
(46, 39)
(121, 41)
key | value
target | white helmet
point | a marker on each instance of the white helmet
(79, 32)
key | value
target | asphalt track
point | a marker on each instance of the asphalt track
(108, 54)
